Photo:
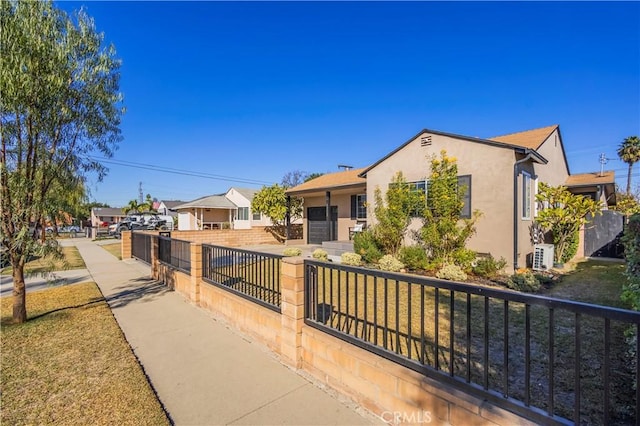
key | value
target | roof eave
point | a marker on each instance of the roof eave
(326, 188)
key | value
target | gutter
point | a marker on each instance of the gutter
(529, 156)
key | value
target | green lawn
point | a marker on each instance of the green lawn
(70, 364)
(71, 260)
(115, 249)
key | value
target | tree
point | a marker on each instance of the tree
(311, 176)
(131, 207)
(563, 214)
(293, 178)
(444, 234)
(272, 202)
(394, 213)
(60, 104)
(629, 152)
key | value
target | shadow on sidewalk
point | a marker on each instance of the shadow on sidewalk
(143, 289)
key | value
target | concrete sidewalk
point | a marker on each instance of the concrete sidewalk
(204, 372)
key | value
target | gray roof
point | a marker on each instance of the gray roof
(209, 202)
(247, 193)
(172, 203)
(107, 211)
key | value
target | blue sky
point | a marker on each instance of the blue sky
(252, 90)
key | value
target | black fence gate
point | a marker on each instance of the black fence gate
(602, 235)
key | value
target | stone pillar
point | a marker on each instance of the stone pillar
(125, 244)
(196, 272)
(292, 288)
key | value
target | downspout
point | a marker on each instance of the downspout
(287, 218)
(515, 207)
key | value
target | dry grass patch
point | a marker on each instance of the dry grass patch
(115, 249)
(70, 364)
(71, 259)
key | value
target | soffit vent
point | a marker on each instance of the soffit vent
(425, 141)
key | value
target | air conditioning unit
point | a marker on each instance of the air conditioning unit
(542, 257)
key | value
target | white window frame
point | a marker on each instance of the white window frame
(526, 196)
(243, 213)
(361, 206)
(256, 215)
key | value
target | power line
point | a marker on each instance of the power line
(170, 170)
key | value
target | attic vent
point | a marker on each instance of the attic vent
(425, 141)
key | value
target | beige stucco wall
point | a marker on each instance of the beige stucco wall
(343, 202)
(553, 173)
(491, 170)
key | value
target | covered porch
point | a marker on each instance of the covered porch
(213, 212)
(333, 205)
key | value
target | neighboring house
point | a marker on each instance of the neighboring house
(100, 215)
(166, 207)
(501, 175)
(229, 210)
(343, 193)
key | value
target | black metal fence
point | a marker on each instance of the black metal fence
(176, 253)
(141, 246)
(549, 360)
(252, 275)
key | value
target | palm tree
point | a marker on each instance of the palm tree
(133, 206)
(629, 152)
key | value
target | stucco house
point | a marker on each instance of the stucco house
(229, 210)
(501, 175)
(100, 215)
(166, 207)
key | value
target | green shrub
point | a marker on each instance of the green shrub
(292, 251)
(414, 257)
(452, 273)
(631, 241)
(571, 247)
(464, 258)
(488, 267)
(365, 244)
(390, 263)
(525, 282)
(353, 259)
(320, 254)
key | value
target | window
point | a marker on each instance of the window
(359, 206)
(417, 186)
(526, 196)
(464, 183)
(257, 215)
(243, 213)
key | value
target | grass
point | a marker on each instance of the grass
(71, 259)
(430, 327)
(70, 364)
(115, 249)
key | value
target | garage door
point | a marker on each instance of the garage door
(317, 224)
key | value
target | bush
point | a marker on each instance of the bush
(365, 244)
(390, 263)
(631, 241)
(414, 257)
(525, 282)
(292, 251)
(488, 267)
(571, 247)
(452, 273)
(320, 254)
(464, 258)
(353, 259)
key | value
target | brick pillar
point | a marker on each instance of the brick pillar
(196, 272)
(292, 287)
(155, 262)
(125, 244)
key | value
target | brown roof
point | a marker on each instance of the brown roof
(531, 139)
(584, 179)
(331, 180)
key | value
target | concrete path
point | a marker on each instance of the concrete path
(204, 372)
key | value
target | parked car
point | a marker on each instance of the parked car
(141, 221)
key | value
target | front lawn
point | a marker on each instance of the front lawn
(115, 249)
(70, 364)
(71, 260)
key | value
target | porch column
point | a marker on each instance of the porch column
(287, 218)
(328, 216)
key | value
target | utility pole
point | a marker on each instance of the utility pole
(603, 160)
(140, 198)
